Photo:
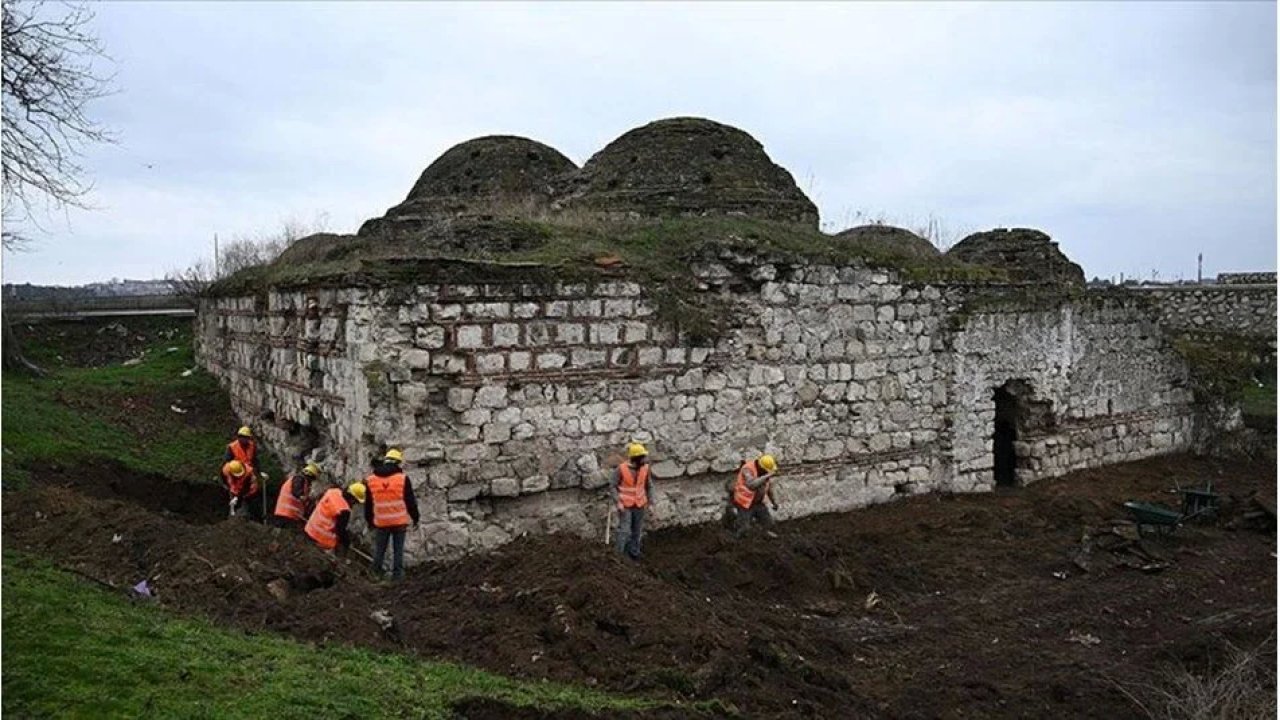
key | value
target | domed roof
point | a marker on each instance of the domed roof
(890, 239)
(1027, 255)
(689, 166)
(494, 166)
(480, 176)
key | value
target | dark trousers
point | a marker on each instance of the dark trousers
(759, 513)
(380, 538)
(630, 529)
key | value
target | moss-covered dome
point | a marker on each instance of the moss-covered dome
(890, 239)
(1026, 255)
(496, 174)
(689, 166)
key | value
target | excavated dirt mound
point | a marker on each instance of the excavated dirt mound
(1025, 603)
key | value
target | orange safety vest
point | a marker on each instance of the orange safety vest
(248, 456)
(288, 506)
(631, 488)
(389, 510)
(235, 484)
(323, 524)
(743, 496)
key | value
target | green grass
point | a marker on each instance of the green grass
(74, 651)
(564, 247)
(1259, 400)
(120, 413)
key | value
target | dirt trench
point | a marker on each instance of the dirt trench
(1023, 603)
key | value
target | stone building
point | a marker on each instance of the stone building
(512, 387)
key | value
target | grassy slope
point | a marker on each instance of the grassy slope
(117, 412)
(71, 650)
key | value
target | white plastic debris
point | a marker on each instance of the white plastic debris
(177, 409)
(187, 373)
(115, 539)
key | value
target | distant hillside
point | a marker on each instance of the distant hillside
(112, 288)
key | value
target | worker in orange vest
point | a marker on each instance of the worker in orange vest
(293, 505)
(751, 487)
(328, 524)
(391, 509)
(242, 487)
(243, 448)
(632, 492)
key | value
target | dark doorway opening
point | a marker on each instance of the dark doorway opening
(1006, 433)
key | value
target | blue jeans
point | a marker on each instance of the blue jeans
(630, 528)
(380, 537)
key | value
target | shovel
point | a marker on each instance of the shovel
(608, 523)
(265, 477)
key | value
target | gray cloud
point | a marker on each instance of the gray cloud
(1137, 134)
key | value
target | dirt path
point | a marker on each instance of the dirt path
(1019, 604)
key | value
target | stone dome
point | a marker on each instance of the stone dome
(486, 175)
(1027, 255)
(892, 239)
(689, 166)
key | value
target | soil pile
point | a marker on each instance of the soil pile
(1025, 603)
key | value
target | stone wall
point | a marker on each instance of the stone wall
(1236, 309)
(513, 400)
(1247, 278)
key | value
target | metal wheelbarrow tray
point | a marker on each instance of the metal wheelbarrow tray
(1163, 519)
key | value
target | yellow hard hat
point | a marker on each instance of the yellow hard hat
(236, 468)
(635, 450)
(768, 463)
(395, 455)
(311, 469)
(244, 431)
(357, 491)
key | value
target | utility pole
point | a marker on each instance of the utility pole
(1200, 268)
(215, 256)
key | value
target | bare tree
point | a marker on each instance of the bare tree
(48, 82)
(242, 253)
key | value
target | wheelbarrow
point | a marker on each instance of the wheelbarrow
(1195, 503)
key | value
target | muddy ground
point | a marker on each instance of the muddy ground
(1023, 603)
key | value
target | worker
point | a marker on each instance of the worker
(751, 488)
(293, 505)
(632, 492)
(729, 519)
(242, 487)
(328, 524)
(243, 448)
(393, 506)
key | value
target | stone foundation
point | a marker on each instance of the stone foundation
(513, 400)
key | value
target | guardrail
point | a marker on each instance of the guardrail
(101, 306)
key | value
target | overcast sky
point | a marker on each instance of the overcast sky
(1136, 134)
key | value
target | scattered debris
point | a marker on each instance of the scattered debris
(115, 539)
(872, 600)
(279, 589)
(142, 591)
(1085, 639)
(386, 623)
(1060, 575)
(132, 361)
(187, 372)
(177, 409)
(171, 350)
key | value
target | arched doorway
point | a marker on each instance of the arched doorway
(1002, 440)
